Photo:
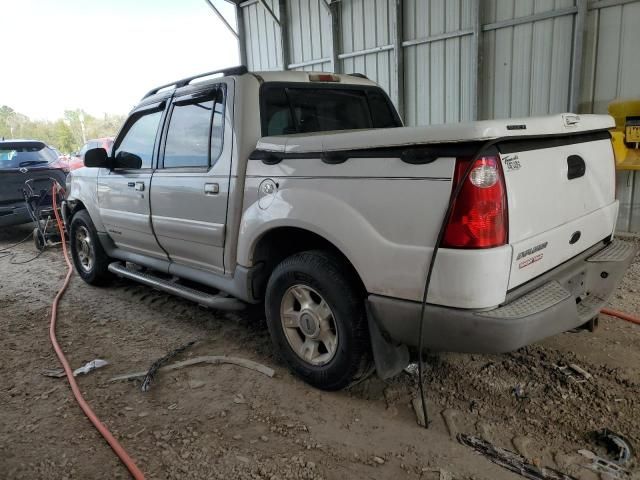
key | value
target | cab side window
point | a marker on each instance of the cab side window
(140, 138)
(195, 133)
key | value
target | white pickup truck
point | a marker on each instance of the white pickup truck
(304, 191)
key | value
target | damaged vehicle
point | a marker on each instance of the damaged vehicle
(304, 191)
(22, 161)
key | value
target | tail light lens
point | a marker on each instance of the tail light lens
(479, 216)
(60, 163)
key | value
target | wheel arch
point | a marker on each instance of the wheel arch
(279, 242)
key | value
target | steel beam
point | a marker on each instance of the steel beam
(476, 60)
(609, 3)
(222, 19)
(398, 46)
(335, 11)
(579, 32)
(284, 33)
(441, 36)
(242, 35)
(358, 53)
(530, 18)
(270, 12)
(317, 61)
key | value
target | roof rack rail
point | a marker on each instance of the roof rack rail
(359, 75)
(239, 70)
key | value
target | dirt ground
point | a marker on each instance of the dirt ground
(227, 422)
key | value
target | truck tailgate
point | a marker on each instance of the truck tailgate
(561, 199)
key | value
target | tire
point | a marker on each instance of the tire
(329, 349)
(89, 258)
(38, 240)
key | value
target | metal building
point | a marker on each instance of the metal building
(457, 60)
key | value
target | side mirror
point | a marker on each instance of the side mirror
(125, 160)
(97, 158)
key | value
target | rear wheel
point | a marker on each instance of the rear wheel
(317, 321)
(89, 258)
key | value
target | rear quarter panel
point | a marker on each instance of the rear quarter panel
(384, 215)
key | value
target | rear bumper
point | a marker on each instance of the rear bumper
(14, 215)
(560, 300)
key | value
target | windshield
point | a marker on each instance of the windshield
(305, 108)
(25, 154)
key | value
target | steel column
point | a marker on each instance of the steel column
(242, 39)
(398, 37)
(579, 32)
(284, 34)
(476, 60)
(336, 37)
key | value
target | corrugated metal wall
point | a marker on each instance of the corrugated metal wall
(612, 70)
(262, 34)
(310, 37)
(467, 59)
(438, 71)
(526, 67)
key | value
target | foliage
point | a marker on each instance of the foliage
(65, 134)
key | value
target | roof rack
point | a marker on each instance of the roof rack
(239, 70)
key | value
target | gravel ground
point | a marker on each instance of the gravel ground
(228, 422)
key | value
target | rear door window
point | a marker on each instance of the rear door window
(291, 108)
(195, 134)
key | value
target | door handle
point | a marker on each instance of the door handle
(575, 167)
(211, 188)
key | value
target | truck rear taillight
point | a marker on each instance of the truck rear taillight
(479, 217)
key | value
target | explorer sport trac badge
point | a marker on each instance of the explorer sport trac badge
(511, 162)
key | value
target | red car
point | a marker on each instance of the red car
(77, 160)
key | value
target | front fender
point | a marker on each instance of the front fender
(82, 186)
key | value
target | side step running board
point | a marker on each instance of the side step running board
(219, 301)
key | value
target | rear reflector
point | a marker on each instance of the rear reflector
(323, 77)
(479, 216)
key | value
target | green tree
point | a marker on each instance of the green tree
(66, 134)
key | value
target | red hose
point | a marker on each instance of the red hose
(621, 315)
(115, 445)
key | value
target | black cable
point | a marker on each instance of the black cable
(26, 261)
(4, 249)
(427, 283)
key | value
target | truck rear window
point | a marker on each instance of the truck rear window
(303, 108)
(25, 154)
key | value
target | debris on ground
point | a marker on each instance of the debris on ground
(211, 360)
(519, 393)
(411, 369)
(617, 446)
(86, 368)
(155, 366)
(511, 461)
(604, 466)
(90, 367)
(574, 373)
(417, 407)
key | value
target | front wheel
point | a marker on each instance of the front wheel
(317, 320)
(89, 258)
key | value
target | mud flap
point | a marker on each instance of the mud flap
(390, 359)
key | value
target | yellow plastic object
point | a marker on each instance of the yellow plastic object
(626, 135)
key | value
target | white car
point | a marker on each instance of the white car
(304, 191)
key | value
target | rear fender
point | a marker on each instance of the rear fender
(374, 257)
